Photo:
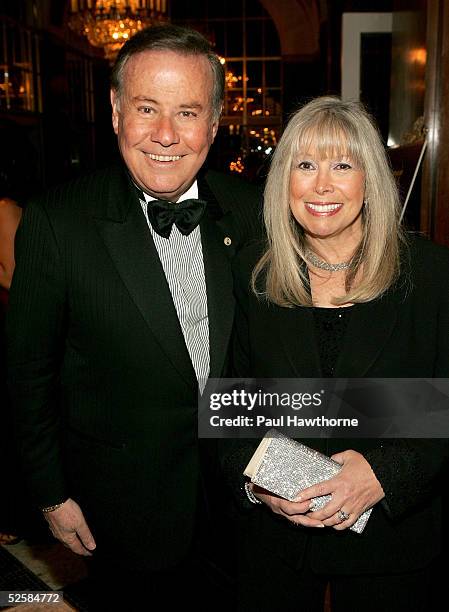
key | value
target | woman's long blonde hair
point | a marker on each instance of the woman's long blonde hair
(332, 128)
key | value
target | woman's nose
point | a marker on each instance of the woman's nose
(323, 182)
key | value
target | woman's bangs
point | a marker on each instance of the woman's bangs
(329, 138)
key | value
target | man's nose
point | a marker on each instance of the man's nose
(164, 132)
(323, 183)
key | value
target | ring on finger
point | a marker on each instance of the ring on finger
(342, 515)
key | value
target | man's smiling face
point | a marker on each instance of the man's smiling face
(164, 120)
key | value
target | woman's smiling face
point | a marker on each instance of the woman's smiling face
(326, 196)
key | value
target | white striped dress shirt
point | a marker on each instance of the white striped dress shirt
(182, 260)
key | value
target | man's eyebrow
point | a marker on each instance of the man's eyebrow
(186, 105)
(144, 99)
(192, 105)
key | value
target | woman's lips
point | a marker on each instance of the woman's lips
(321, 209)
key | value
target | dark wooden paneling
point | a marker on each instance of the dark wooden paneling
(440, 226)
(407, 72)
(435, 188)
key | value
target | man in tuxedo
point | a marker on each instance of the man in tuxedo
(121, 307)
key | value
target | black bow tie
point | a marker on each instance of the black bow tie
(186, 215)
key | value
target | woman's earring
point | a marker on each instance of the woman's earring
(365, 201)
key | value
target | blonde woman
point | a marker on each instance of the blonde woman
(338, 290)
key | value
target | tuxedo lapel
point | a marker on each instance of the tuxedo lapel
(124, 230)
(217, 245)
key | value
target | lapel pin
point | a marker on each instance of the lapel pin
(227, 241)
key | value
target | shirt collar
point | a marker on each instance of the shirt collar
(192, 192)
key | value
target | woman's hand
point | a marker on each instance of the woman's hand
(295, 512)
(354, 489)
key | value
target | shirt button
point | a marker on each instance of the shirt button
(227, 241)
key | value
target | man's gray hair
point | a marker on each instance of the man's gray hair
(179, 40)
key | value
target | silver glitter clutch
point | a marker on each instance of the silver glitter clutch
(285, 467)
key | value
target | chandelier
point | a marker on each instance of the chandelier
(110, 23)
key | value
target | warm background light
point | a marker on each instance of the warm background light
(418, 55)
(110, 23)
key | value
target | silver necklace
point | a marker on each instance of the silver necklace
(323, 265)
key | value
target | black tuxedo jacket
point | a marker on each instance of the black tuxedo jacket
(103, 387)
(403, 334)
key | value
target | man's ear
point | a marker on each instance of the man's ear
(115, 109)
(216, 123)
(213, 131)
